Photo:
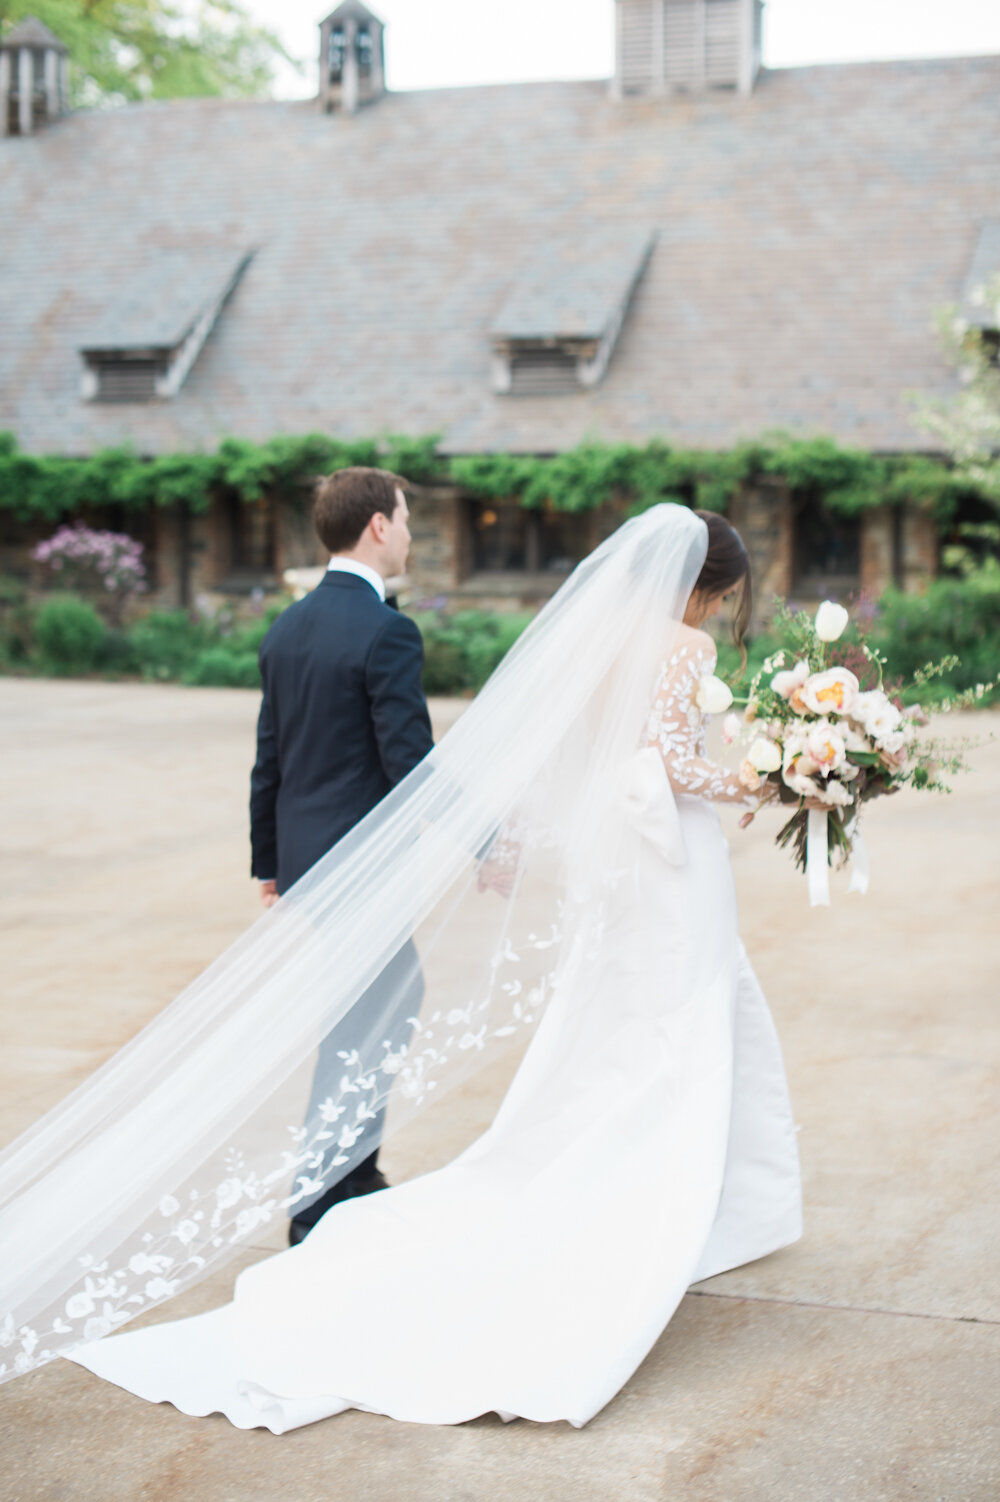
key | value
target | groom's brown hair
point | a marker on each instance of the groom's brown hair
(347, 500)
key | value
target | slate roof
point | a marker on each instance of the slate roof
(165, 299)
(31, 32)
(805, 237)
(575, 288)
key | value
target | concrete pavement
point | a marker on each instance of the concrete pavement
(861, 1365)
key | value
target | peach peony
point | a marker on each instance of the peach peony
(831, 692)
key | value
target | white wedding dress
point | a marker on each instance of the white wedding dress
(646, 1142)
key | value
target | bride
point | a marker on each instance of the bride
(557, 864)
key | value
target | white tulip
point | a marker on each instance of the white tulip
(764, 755)
(713, 696)
(831, 621)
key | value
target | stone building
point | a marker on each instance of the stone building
(700, 250)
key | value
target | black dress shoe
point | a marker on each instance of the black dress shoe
(347, 1189)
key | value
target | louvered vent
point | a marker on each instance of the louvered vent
(722, 41)
(682, 42)
(668, 45)
(127, 380)
(543, 372)
(637, 45)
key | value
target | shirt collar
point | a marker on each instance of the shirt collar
(362, 570)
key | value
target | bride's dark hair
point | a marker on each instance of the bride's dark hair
(726, 567)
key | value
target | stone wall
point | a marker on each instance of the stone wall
(896, 545)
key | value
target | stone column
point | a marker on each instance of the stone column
(25, 88)
(351, 87)
(762, 514)
(378, 63)
(876, 551)
(4, 93)
(52, 90)
(921, 550)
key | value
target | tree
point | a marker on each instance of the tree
(967, 426)
(125, 50)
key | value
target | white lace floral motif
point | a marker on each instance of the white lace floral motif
(677, 727)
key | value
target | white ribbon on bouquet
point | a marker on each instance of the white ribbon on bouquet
(818, 858)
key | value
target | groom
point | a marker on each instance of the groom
(343, 719)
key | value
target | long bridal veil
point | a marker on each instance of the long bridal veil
(208, 1126)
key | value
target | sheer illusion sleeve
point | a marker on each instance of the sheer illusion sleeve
(677, 728)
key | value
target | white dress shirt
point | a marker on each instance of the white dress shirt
(362, 570)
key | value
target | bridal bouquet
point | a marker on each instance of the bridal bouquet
(829, 730)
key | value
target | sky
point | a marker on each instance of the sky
(447, 43)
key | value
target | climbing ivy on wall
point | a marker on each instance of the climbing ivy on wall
(846, 481)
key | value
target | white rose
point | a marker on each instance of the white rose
(764, 755)
(832, 692)
(794, 776)
(894, 742)
(834, 793)
(731, 727)
(876, 713)
(713, 696)
(831, 621)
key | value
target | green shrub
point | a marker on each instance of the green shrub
(218, 667)
(69, 635)
(166, 643)
(461, 651)
(959, 616)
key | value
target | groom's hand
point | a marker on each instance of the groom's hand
(269, 893)
(495, 876)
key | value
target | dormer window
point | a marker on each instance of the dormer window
(558, 327)
(145, 346)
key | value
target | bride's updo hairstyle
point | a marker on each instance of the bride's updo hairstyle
(726, 567)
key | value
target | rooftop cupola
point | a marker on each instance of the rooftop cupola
(351, 58)
(669, 46)
(33, 78)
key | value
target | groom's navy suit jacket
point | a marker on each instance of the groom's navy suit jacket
(342, 720)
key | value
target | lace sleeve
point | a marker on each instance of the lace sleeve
(677, 728)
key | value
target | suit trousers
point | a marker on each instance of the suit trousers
(380, 1014)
